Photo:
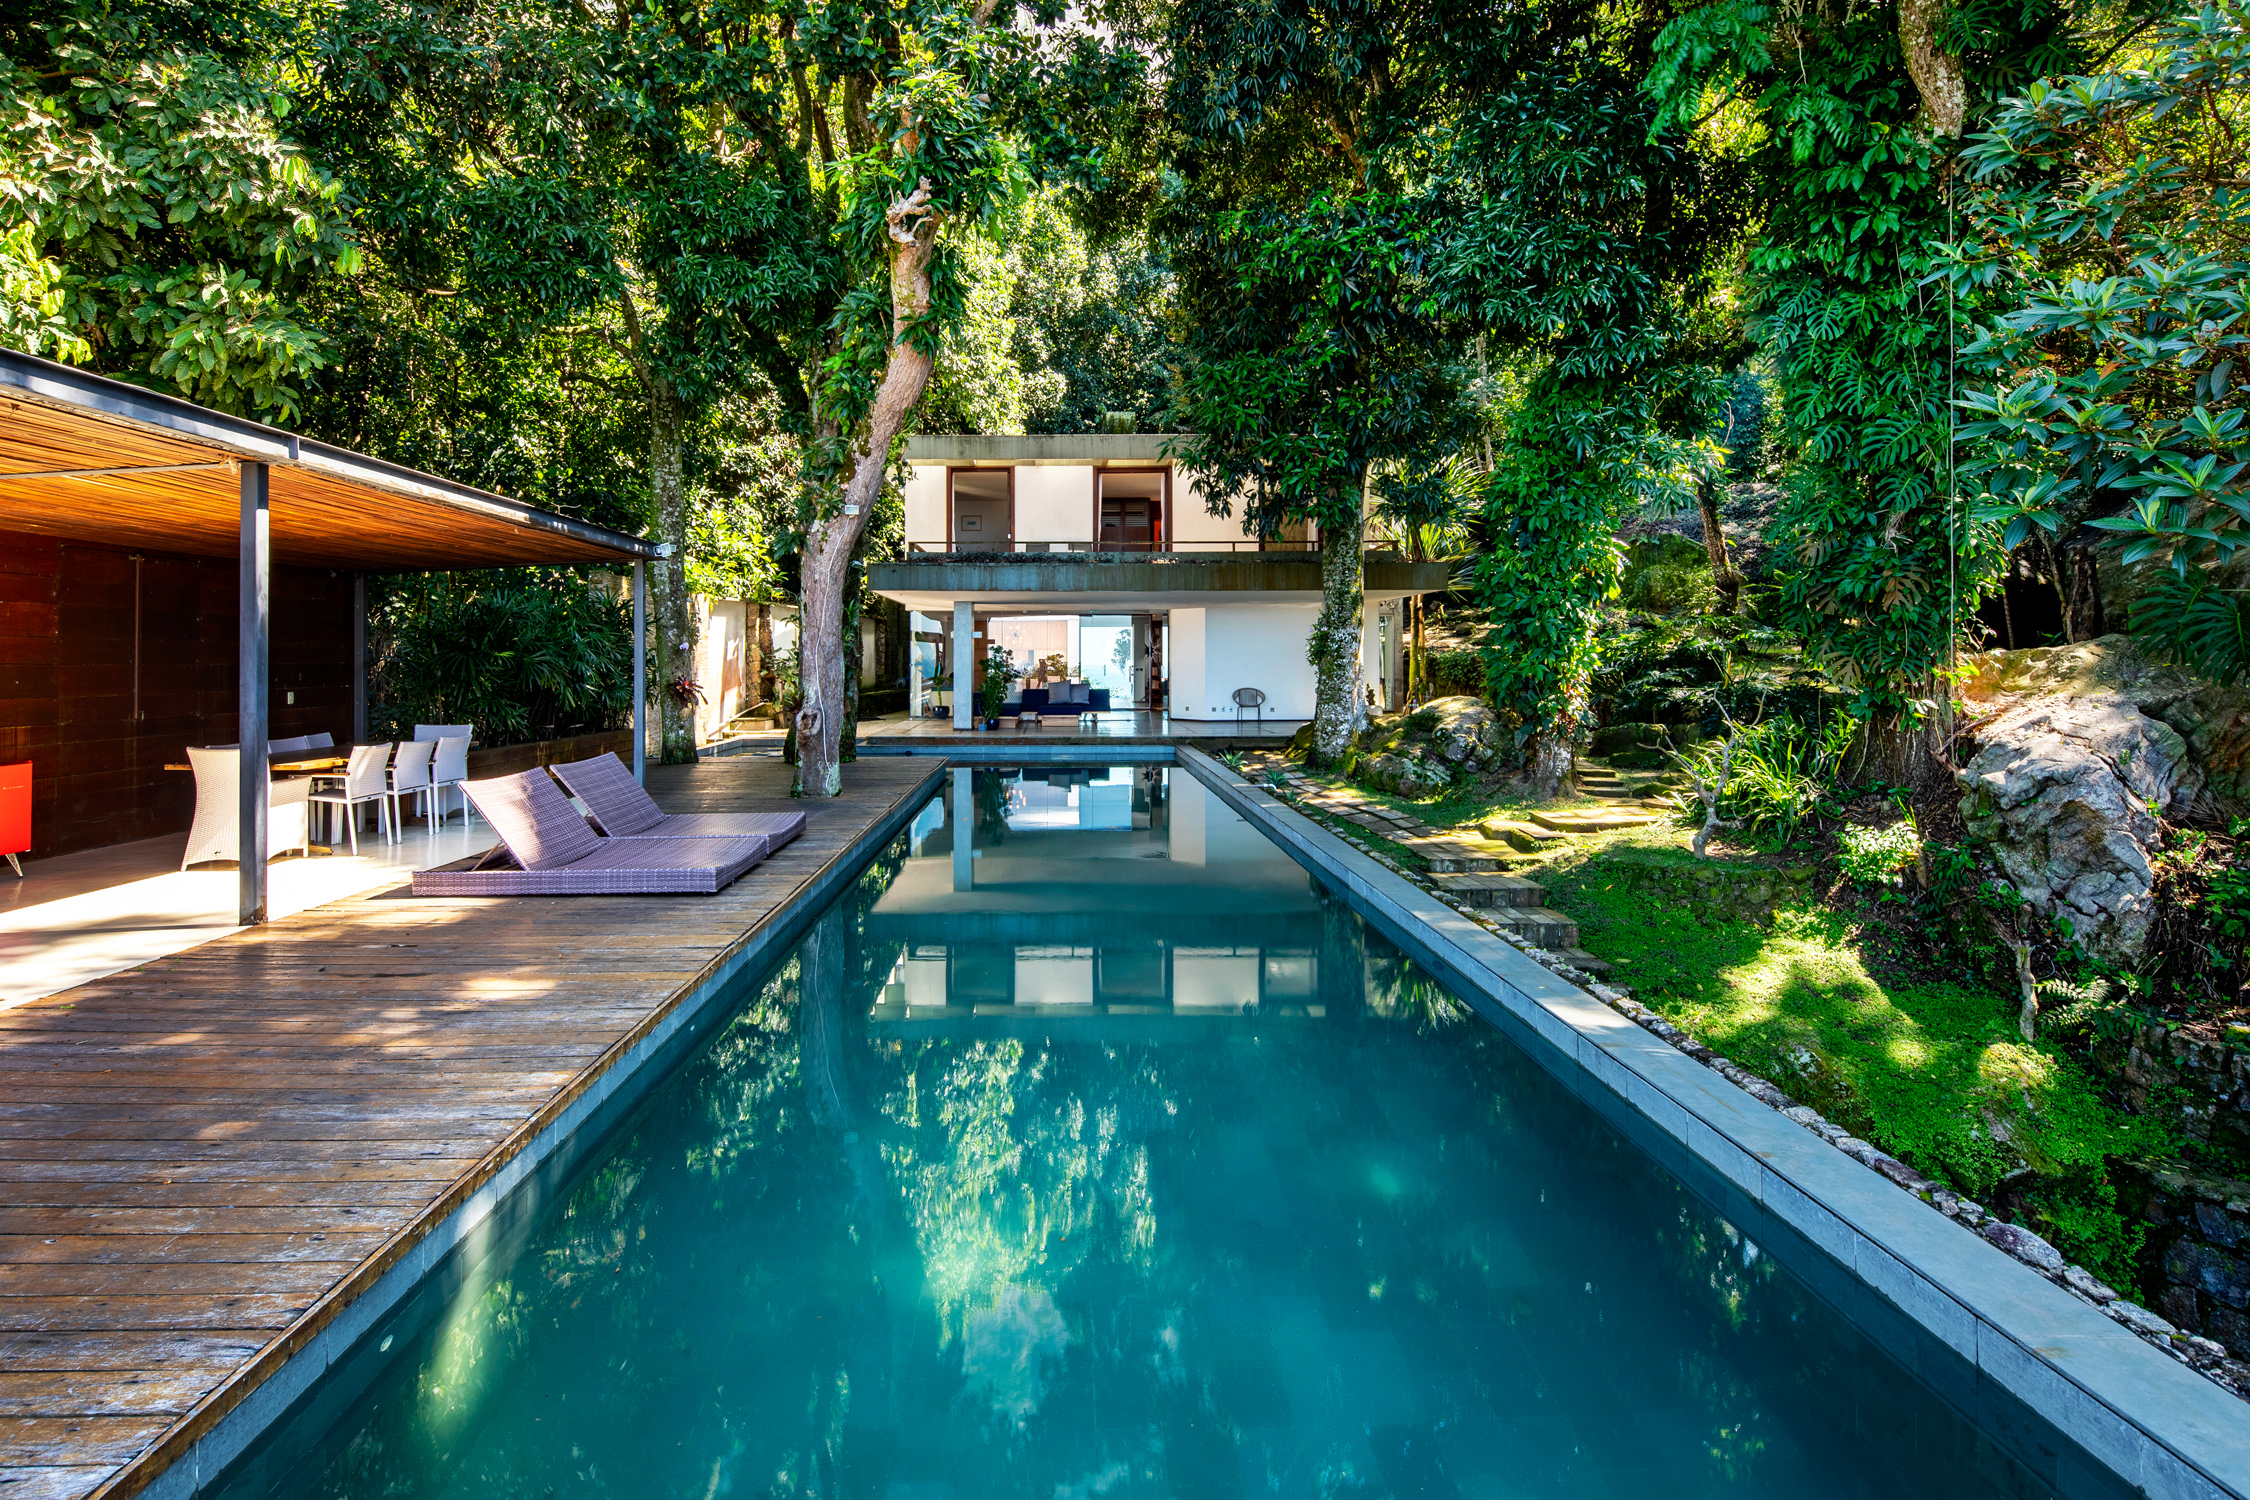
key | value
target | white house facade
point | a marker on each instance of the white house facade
(1098, 550)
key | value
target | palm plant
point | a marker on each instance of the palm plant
(521, 653)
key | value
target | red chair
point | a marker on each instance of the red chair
(15, 813)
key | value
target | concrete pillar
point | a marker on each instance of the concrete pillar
(964, 663)
(1371, 656)
(256, 787)
(913, 666)
(964, 828)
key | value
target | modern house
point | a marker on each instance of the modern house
(1099, 549)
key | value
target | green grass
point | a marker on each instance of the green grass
(1927, 1068)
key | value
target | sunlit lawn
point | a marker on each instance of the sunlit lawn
(1928, 1067)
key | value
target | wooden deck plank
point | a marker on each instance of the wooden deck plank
(196, 1152)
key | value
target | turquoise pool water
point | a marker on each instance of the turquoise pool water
(1102, 1153)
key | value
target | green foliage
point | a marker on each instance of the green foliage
(1000, 673)
(156, 222)
(1930, 1070)
(1455, 674)
(1781, 772)
(1876, 569)
(1877, 856)
(521, 653)
(1314, 357)
(1590, 246)
(1669, 575)
(2112, 242)
(1705, 671)
(1057, 329)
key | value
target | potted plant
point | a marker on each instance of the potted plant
(999, 675)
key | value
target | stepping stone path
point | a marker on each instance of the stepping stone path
(1466, 872)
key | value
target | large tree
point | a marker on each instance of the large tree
(1589, 251)
(1858, 116)
(1317, 351)
(2107, 238)
(629, 179)
(159, 221)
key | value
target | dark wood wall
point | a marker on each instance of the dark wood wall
(67, 648)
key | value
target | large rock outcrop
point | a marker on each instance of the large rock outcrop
(2069, 792)
(1417, 753)
(2213, 782)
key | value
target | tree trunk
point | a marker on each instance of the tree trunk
(832, 538)
(1552, 756)
(1339, 709)
(1936, 72)
(1911, 753)
(670, 612)
(1417, 656)
(763, 677)
(1723, 575)
(2081, 593)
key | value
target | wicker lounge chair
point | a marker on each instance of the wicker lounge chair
(621, 809)
(556, 854)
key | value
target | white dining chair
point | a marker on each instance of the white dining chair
(216, 831)
(322, 741)
(363, 782)
(449, 768)
(410, 774)
(449, 732)
(299, 742)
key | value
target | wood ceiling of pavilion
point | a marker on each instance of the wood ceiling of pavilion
(97, 460)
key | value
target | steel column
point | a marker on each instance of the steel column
(640, 672)
(256, 789)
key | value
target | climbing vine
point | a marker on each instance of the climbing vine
(1878, 566)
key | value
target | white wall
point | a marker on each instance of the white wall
(1229, 646)
(719, 660)
(1054, 503)
(1192, 524)
(1183, 663)
(925, 505)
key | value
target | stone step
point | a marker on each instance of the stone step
(1579, 958)
(1456, 856)
(1491, 890)
(1542, 925)
(1590, 822)
(1530, 838)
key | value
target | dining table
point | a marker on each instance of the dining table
(293, 762)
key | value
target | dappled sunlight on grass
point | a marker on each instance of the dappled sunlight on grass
(1929, 1069)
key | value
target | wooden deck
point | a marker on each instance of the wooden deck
(207, 1158)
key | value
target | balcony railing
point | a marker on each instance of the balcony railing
(1181, 549)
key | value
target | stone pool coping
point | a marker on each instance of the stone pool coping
(2157, 1425)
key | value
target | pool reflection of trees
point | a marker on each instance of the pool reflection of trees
(833, 1258)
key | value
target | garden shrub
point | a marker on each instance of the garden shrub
(1670, 575)
(521, 653)
(1455, 674)
(1782, 772)
(1877, 856)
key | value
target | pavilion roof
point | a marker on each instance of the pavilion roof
(97, 460)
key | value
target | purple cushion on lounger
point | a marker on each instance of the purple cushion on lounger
(776, 828)
(616, 867)
(537, 823)
(622, 809)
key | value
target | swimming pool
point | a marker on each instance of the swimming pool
(1100, 1151)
